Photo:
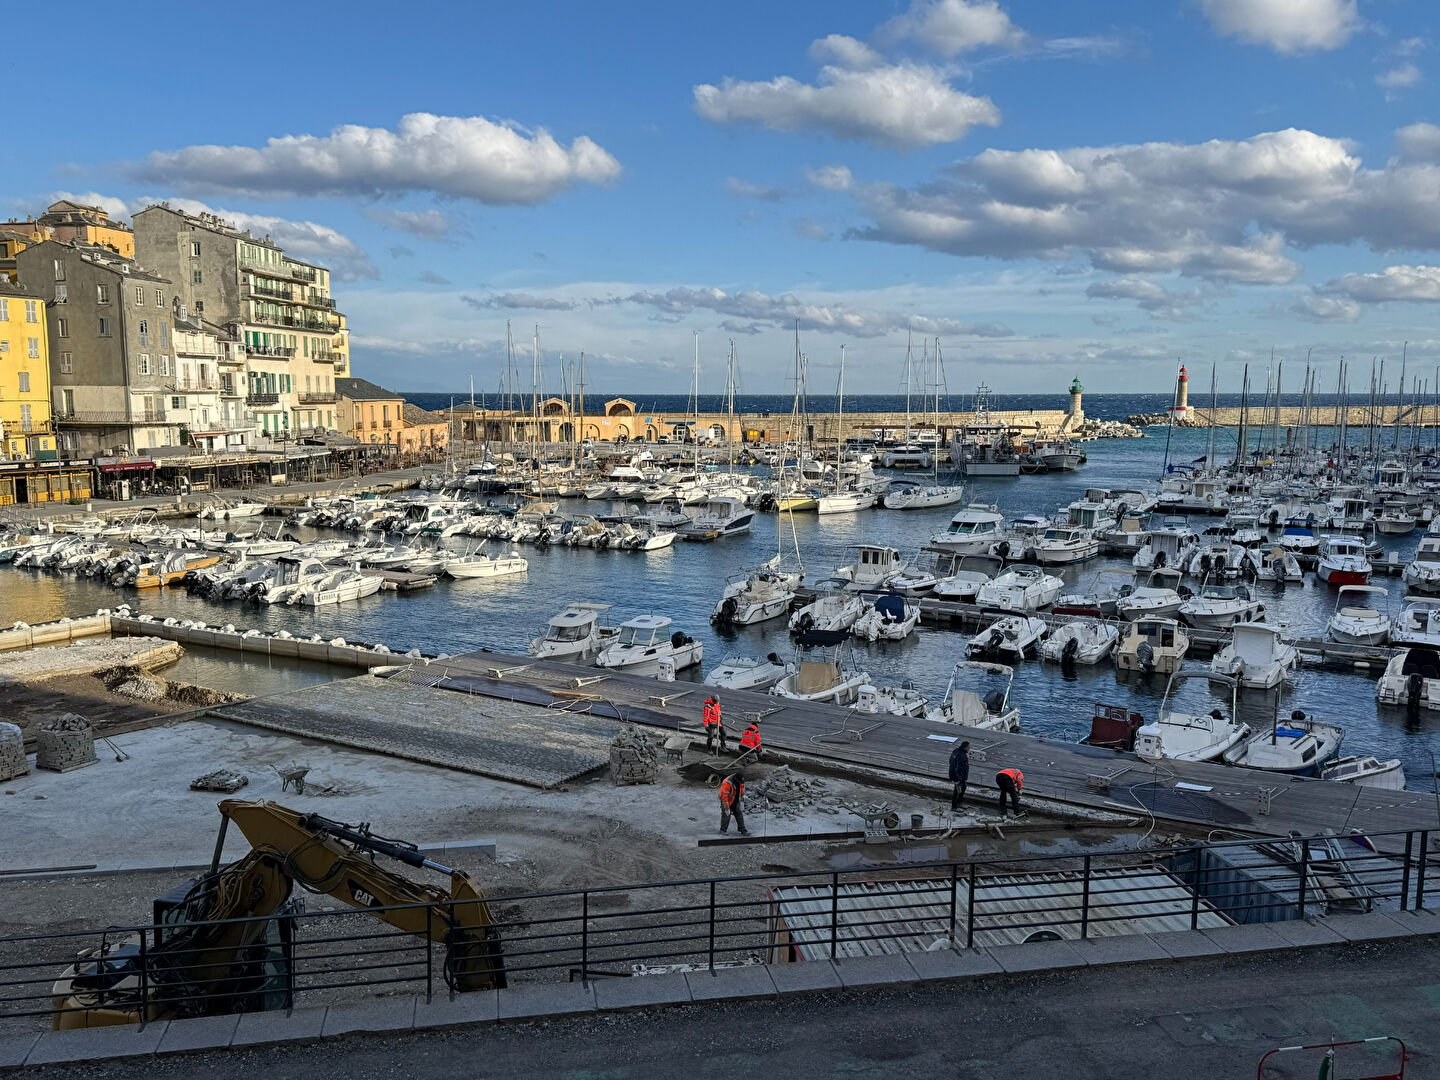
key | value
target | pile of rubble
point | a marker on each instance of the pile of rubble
(141, 687)
(1110, 429)
(633, 759)
(227, 781)
(785, 795)
(65, 743)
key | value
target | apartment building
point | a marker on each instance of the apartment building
(25, 423)
(370, 413)
(208, 399)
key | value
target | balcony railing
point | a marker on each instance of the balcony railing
(268, 318)
(262, 399)
(116, 417)
(197, 385)
(302, 273)
(275, 269)
(323, 325)
(326, 302)
(284, 292)
(274, 352)
(324, 358)
(318, 397)
(230, 390)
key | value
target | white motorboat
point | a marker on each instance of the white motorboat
(845, 502)
(913, 579)
(1021, 536)
(1343, 561)
(978, 696)
(1274, 564)
(1160, 595)
(1220, 606)
(1021, 588)
(1411, 678)
(890, 700)
(1103, 599)
(872, 569)
(1366, 771)
(1423, 573)
(1218, 555)
(227, 511)
(1182, 736)
(747, 673)
(479, 565)
(1357, 619)
(908, 495)
(1066, 544)
(828, 611)
(1172, 545)
(1301, 541)
(1395, 521)
(1256, 657)
(965, 575)
(721, 517)
(574, 634)
(755, 596)
(1418, 622)
(645, 641)
(1153, 644)
(973, 531)
(1083, 641)
(891, 617)
(1007, 639)
(287, 576)
(908, 456)
(1301, 746)
(821, 671)
(1128, 536)
(336, 587)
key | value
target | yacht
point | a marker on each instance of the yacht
(1411, 678)
(1153, 644)
(1008, 638)
(1357, 620)
(1256, 657)
(1343, 561)
(644, 642)
(908, 495)
(1423, 573)
(1083, 641)
(845, 502)
(725, 516)
(891, 617)
(828, 611)
(1190, 737)
(978, 696)
(756, 596)
(1221, 606)
(973, 531)
(1065, 544)
(1418, 622)
(1021, 588)
(1301, 747)
(908, 456)
(747, 673)
(1160, 595)
(821, 671)
(574, 634)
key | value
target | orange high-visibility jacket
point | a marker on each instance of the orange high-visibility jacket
(711, 713)
(1016, 775)
(751, 738)
(730, 792)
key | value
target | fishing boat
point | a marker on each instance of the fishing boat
(1183, 736)
(1412, 679)
(821, 671)
(1083, 641)
(1300, 747)
(748, 673)
(1063, 545)
(978, 696)
(1357, 619)
(890, 618)
(1256, 657)
(1395, 521)
(1153, 645)
(574, 634)
(1343, 561)
(1423, 573)
(1021, 588)
(872, 570)
(1007, 639)
(645, 641)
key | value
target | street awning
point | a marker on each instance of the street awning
(126, 466)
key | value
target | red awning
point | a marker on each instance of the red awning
(127, 466)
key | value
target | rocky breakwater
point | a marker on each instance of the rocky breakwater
(1160, 419)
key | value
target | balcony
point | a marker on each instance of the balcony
(324, 326)
(326, 302)
(283, 292)
(301, 273)
(271, 267)
(318, 397)
(115, 418)
(274, 352)
(230, 390)
(181, 386)
(262, 399)
(266, 318)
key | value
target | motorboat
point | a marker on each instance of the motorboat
(755, 596)
(1220, 606)
(479, 565)
(1152, 645)
(1065, 544)
(574, 634)
(1422, 575)
(748, 673)
(1357, 619)
(1007, 639)
(287, 576)
(1256, 657)
(913, 579)
(845, 502)
(828, 611)
(166, 569)
(336, 587)
(821, 671)
(645, 641)
(1021, 536)
(1160, 595)
(907, 456)
(1183, 736)
(872, 569)
(1301, 541)
(965, 575)
(1343, 561)
(1218, 555)
(908, 495)
(1173, 545)
(890, 617)
(1274, 564)
(721, 517)
(973, 530)
(978, 696)
(1411, 678)
(890, 700)
(1109, 588)
(1366, 771)
(1128, 536)
(1083, 641)
(1395, 521)
(227, 511)
(1418, 622)
(1021, 588)
(1301, 746)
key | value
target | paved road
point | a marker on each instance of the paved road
(1208, 1019)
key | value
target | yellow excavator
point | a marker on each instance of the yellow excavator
(223, 943)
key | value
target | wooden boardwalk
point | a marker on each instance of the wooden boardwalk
(1220, 797)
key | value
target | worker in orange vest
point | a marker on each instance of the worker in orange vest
(1010, 782)
(714, 725)
(750, 740)
(732, 798)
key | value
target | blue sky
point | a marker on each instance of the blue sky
(1098, 189)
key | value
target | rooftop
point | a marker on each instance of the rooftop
(414, 415)
(364, 390)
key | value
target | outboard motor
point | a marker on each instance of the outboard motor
(994, 702)
(1205, 563)
(1414, 686)
(773, 658)
(1146, 655)
(805, 622)
(1003, 549)
(996, 638)
(677, 639)
(1160, 557)
(728, 607)
(1071, 650)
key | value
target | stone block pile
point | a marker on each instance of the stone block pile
(632, 759)
(65, 743)
(785, 795)
(12, 753)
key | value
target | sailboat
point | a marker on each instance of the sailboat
(910, 495)
(844, 502)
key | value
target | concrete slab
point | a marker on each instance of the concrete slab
(1183, 943)
(1037, 956)
(731, 984)
(479, 1007)
(641, 992)
(1253, 937)
(14, 1051)
(1305, 932)
(1425, 921)
(1126, 949)
(89, 1044)
(547, 999)
(258, 1028)
(379, 1015)
(944, 964)
(202, 1033)
(804, 976)
(875, 971)
(1372, 927)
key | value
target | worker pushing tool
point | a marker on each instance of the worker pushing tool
(1010, 782)
(714, 725)
(732, 798)
(750, 741)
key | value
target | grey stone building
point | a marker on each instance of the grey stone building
(112, 359)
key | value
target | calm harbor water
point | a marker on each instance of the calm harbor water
(684, 581)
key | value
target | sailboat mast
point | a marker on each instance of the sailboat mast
(842, 419)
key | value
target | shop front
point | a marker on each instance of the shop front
(30, 481)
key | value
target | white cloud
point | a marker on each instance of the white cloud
(1325, 309)
(1418, 142)
(465, 157)
(951, 27)
(1150, 296)
(430, 277)
(903, 105)
(1409, 283)
(1287, 26)
(844, 51)
(811, 230)
(520, 301)
(830, 177)
(118, 209)
(744, 189)
(1404, 77)
(1221, 210)
(426, 224)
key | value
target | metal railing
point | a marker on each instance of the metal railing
(837, 914)
(262, 399)
(301, 273)
(282, 293)
(276, 352)
(267, 318)
(318, 397)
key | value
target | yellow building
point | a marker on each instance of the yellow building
(15, 237)
(24, 376)
(72, 222)
(368, 412)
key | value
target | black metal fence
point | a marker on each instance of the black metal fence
(301, 957)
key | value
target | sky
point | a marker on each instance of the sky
(1102, 190)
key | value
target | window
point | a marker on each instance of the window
(195, 277)
(24, 379)
(386, 411)
(144, 329)
(307, 384)
(62, 294)
(34, 350)
(164, 334)
(104, 328)
(4, 310)
(177, 403)
(62, 327)
(66, 363)
(4, 345)
(165, 368)
(4, 251)
(194, 249)
(59, 269)
(32, 311)
(25, 426)
(199, 307)
(159, 298)
(67, 401)
(139, 295)
(142, 364)
(102, 294)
